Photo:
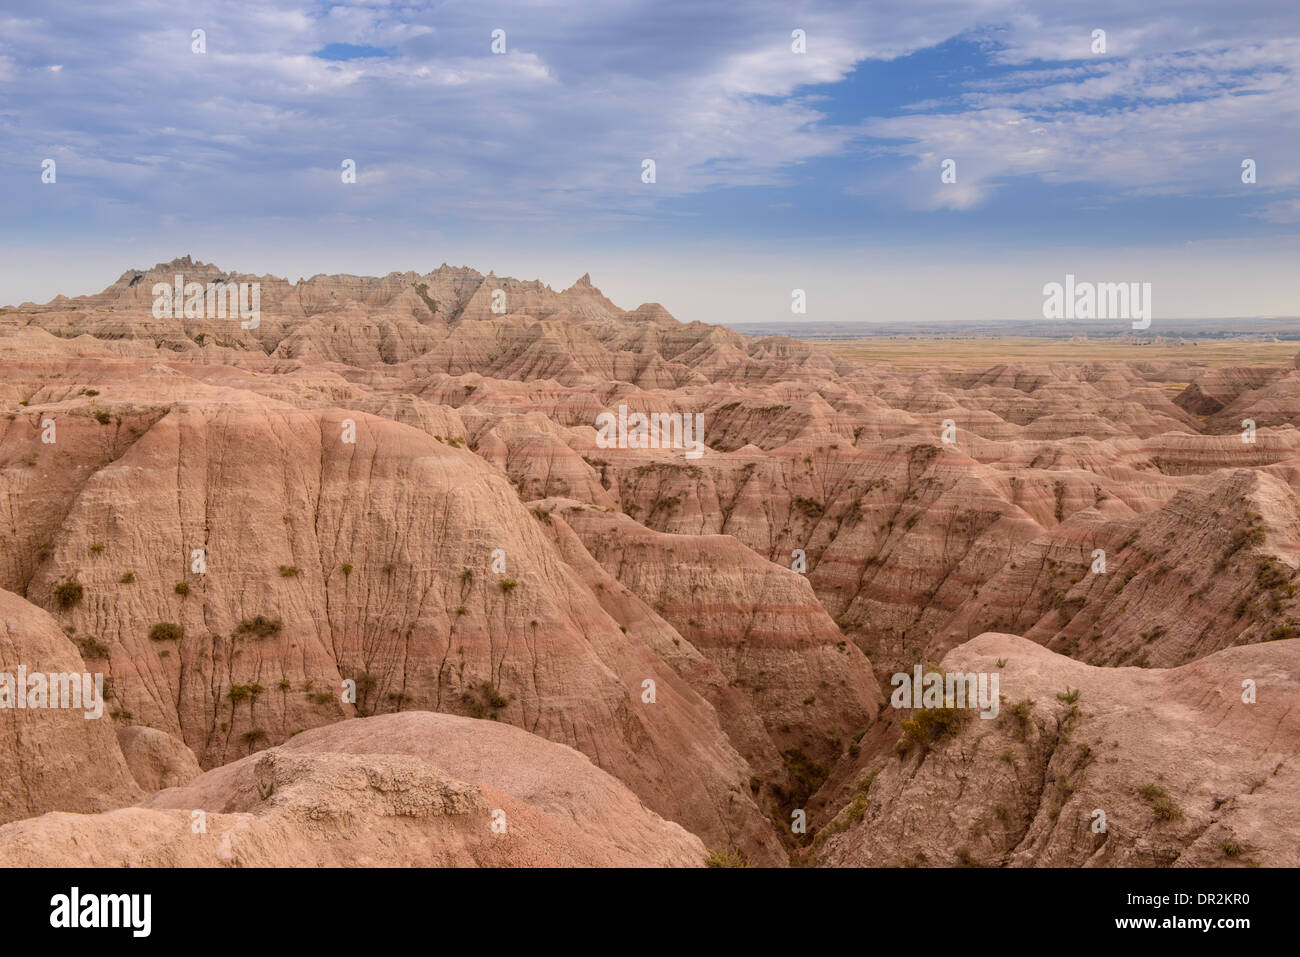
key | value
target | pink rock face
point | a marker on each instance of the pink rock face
(156, 759)
(390, 497)
(399, 790)
(54, 759)
(1183, 771)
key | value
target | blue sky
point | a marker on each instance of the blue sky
(775, 170)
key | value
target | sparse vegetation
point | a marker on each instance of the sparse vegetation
(930, 725)
(1023, 712)
(288, 571)
(127, 578)
(809, 506)
(1162, 805)
(92, 648)
(181, 589)
(166, 631)
(259, 626)
(238, 693)
(508, 585)
(68, 593)
(483, 700)
(726, 858)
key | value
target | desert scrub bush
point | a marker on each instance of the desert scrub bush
(725, 858)
(321, 697)
(181, 589)
(288, 571)
(1231, 849)
(97, 547)
(542, 515)
(102, 417)
(127, 578)
(809, 506)
(285, 684)
(347, 568)
(929, 725)
(484, 700)
(238, 693)
(1069, 696)
(1023, 712)
(1162, 805)
(508, 585)
(166, 631)
(92, 647)
(68, 593)
(259, 627)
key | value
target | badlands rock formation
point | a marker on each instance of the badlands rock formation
(52, 760)
(388, 497)
(413, 789)
(1182, 770)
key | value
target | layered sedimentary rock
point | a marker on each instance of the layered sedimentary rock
(388, 495)
(56, 757)
(1083, 766)
(408, 790)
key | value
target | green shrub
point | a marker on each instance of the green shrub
(181, 589)
(92, 648)
(347, 568)
(68, 593)
(102, 417)
(508, 585)
(166, 631)
(97, 547)
(259, 626)
(484, 700)
(726, 858)
(288, 571)
(1162, 805)
(929, 725)
(238, 693)
(127, 578)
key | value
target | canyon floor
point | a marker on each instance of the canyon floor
(368, 588)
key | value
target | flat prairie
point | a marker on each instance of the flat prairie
(981, 352)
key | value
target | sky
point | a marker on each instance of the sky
(774, 169)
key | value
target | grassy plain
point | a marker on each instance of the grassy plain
(982, 352)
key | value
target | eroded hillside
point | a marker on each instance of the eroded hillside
(400, 485)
